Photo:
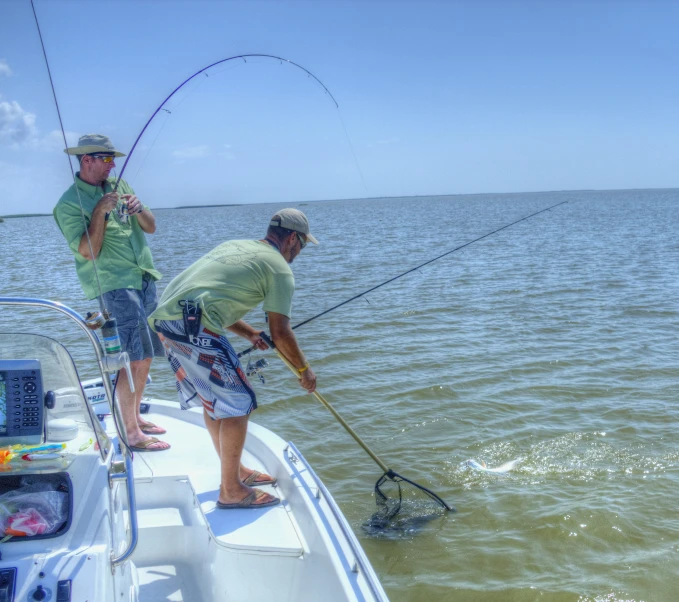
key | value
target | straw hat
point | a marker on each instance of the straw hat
(93, 143)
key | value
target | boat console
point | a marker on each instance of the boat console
(53, 453)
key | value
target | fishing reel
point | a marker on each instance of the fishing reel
(255, 368)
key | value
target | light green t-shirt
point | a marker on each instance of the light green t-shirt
(124, 255)
(228, 282)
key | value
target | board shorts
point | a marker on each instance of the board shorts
(208, 371)
(131, 307)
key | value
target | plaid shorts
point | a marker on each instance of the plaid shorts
(130, 308)
(208, 371)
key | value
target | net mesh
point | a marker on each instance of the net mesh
(403, 507)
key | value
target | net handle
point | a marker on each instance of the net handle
(388, 473)
(334, 412)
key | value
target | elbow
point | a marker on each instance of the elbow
(278, 333)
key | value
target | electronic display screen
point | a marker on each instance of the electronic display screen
(3, 405)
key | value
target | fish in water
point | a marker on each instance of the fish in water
(502, 469)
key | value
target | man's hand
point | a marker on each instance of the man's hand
(134, 205)
(107, 203)
(145, 219)
(286, 343)
(308, 380)
(257, 341)
(92, 240)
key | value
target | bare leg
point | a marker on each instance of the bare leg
(145, 366)
(130, 402)
(228, 436)
(214, 429)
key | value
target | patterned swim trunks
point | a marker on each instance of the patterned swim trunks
(208, 371)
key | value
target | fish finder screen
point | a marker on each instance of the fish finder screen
(3, 405)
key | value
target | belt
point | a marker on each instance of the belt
(202, 342)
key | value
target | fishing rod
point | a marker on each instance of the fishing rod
(100, 298)
(244, 57)
(471, 242)
(114, 359)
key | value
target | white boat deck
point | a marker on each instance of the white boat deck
(266, 530)
(176, 545)
(188, 550)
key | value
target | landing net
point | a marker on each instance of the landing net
(403, 506)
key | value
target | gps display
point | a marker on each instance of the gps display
(21, 402)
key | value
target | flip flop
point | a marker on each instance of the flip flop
(143, 446)
(152, 429)
(248, 502)
(252, 480)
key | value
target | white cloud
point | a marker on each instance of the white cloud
(17, 128)
(191, 152)
(16, 125)
(4, 69)
(55, 140)
(227, 153)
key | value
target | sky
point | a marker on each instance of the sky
(442, 97)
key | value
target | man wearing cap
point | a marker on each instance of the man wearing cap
(221, 288)
(89, 215)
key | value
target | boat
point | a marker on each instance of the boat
(145, 527)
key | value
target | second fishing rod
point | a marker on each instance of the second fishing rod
(417, 267)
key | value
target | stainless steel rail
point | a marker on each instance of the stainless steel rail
(361, 560)
(128, 475)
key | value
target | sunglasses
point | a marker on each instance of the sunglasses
(104, 158)
(302, 242)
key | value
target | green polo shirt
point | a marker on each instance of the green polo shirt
(124, 255)
(228, 282)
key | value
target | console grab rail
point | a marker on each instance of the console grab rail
(128, 475)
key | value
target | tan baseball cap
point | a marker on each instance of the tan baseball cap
(293, 219)
(93, 143)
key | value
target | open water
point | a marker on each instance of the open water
(553, 342)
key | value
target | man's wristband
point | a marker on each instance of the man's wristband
(304, 368)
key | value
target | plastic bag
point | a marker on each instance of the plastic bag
(32, 509)
(26, 523)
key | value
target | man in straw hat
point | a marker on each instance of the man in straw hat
(218, 290)
(105, 230)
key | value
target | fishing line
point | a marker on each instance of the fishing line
(146, 156)
(100, 297)
(102, 306)
(351, 147)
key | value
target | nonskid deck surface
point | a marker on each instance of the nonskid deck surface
(168, 480)
(168, 583)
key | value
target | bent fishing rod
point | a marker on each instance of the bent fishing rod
(244, 57)
(471, 242)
